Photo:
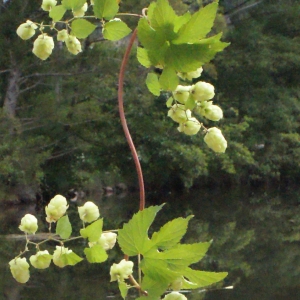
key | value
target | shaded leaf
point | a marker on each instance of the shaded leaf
(57, 12)
(153, 84)
(95, 254)
(168, 79)
(93, 231)
(82, 28)
(115, 30)
(73, 4)
(64, 227)
(143, 58)
(105, 9)
(71, 259)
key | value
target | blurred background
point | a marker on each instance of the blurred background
(60, 133)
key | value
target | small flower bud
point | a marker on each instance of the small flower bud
(89, 212)
(190, 127)
(41, 260)
(182, 93)
(203, 91)
(174, 296)
(43, 46)
(215, 140)
(19, 268)
(178, 113)
(48, 4)
(56, 208)
(121, 271)
(191, 75)
(62, 35)
(81, 11)
(57, 256)
(29, 224)
(73, 45)
(26, 30)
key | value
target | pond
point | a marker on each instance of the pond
(256, 239)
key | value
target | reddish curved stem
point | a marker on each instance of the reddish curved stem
(124, 123)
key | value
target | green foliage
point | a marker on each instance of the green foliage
(82, 28)
(64, 227)
(115, 30)
(93, 231)
(95, 254)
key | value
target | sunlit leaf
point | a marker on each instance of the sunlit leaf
(143, 58)
(168, 104)
(93, 231)
(82, 28)
(71, 259)
(163, 14)
(95, 254)
(168, 79)
(133, 237)
(105, 9)
(57, 12)
(115, 30)
(123, 288)
(171, 233)
(201, 278)
(73, 4)
(153, 84)
(64, 227)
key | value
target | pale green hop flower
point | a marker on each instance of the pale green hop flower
(56, 208)
(190, 127)
(107, 240)
(29, 224)
(43, 46)
(81, 11)
(121, 271)
(215, 140)
(203, 91)
(26, 30)
(73, 45)
(213, 113)
(179, 113)
(182, 93)
(174, 296)
(48, 4)
(62, 35)
(57, 256)
(89, 212)
(41, 260)
(191, 75)
(19, 268)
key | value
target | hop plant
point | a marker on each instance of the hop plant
(190, 127)
(56, 208)
(191, 75)
(176, 285)
(121, 271)
(29, 224)
(41, 260)
(57, 256)
(108, 240)
(203, 91)
(73, 45)
(48, 4)
(43, 46)
(19, 268)
(213, 113)
(26, 30)
(89, 212)
(215, 140)
(175, 296)
(179, 113)
(182, 93)
(81, 11)
(62, 35)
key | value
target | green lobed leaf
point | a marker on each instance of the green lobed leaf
(163, 14)
(57, 12)
(168, 80)
(198, 26)
(154, 288)
(133, 237)
(181, 256)
(73, 4)
(201, 278)
(153, 84)
(123, 287)
(105, 9)
(82, 28)
(64, 227)
(143, 58)
(93, 231)
(171, 233)
(95, 254)
(71, 259)
(181, 20)
(115, 30)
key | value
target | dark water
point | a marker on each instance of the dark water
(256, 238)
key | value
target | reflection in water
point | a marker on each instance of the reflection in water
(255, 238)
